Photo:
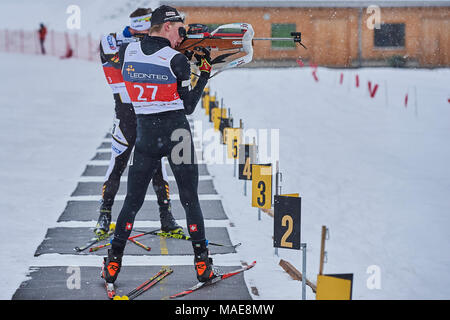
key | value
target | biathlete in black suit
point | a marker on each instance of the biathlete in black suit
(157, 78)
(124, 127)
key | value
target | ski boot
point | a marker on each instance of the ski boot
(168, 222)
(111, 266)
(104, 221)
(203, 264)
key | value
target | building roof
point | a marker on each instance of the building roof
(307, 3)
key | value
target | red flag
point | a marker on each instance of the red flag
(372, 91)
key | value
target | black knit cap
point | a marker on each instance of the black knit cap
(164, 14)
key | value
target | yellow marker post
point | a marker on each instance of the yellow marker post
(218, 114)
(233, 136)
(215, 114)
(262, 186)
(334, 287)
(287, 228)
(247, 156)
(205, 101)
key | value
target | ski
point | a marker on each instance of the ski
(110, 290)
(163, 273)
(183, 236)
(94, 240)
(210, 282)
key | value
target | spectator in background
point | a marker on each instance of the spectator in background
(42, 34)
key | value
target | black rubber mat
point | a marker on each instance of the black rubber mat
(63, 240)
(89, 210)
(59, 283)
(95, 188)
(100, 170)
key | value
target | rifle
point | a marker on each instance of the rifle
(234, 40)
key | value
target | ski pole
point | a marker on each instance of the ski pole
(131, 240)
(140, 244)
(99, 247)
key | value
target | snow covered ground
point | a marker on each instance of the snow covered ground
(51, 123)
(377, 176)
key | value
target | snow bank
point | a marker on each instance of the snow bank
(376, 175)
(51, 125)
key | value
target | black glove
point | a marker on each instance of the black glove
(203, 61)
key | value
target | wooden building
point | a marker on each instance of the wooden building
(338, 33)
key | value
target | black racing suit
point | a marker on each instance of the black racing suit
(125, 123)
(154, 141)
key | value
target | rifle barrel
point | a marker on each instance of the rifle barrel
(240, 38)
(275, 39)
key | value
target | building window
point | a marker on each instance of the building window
(213, 26)
(283, 31)
(390, 35)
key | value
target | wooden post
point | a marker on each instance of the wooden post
(295, 274)
(322, 248)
